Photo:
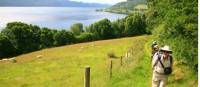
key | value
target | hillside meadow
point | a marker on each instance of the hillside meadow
(64, 66)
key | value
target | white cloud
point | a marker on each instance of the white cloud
(101, 1)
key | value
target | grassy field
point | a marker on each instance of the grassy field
(138, 71)
(64, 66)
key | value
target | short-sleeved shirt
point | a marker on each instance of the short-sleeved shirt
(158, 67)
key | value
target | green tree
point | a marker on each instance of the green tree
(46, 38)
(77, 28)
(119, 27)
(6, 47)
(24, 37)
(85, 37)
(135, 24)
(102, 29)
(64, 37)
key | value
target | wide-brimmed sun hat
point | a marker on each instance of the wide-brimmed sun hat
(166, 48)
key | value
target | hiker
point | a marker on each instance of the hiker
(162, 67)
(153, 44)
(154, 48)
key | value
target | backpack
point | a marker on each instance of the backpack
(153, 45)
(167, 70)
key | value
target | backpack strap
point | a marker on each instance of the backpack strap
(170, 59)
(161, 64)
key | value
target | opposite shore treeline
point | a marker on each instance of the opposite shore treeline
(20, 38)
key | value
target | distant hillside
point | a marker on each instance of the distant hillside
(125, 7)
(128, 4)
(51, 3)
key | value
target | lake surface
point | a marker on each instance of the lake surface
(54, 17)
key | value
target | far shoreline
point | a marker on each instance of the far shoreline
(67, 23)
(109, 11)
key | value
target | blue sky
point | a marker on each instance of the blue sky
(101, 1)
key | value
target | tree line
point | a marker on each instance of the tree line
(20, 38)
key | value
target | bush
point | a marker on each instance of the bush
(77, 28)
(63, 37)
(24, 37)
(85, 37)
(46, 38)
(135, 24)
(111, 55)
(102, 29)
(6, 47)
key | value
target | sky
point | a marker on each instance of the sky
(101, 1)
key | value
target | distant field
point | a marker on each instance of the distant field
(64, 66)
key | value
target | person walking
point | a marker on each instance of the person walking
(162, 67)
(154, 50)
(153, 44)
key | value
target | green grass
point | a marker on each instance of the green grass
(64, 66)
(138, 72)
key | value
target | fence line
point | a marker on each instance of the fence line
(87, 71)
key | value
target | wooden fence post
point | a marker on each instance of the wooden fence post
(111, 65)
(87, 77)
(121, 61)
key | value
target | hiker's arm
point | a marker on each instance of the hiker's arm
(155, 57)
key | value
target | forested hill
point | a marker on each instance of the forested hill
(124, 7)
(52, 3)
